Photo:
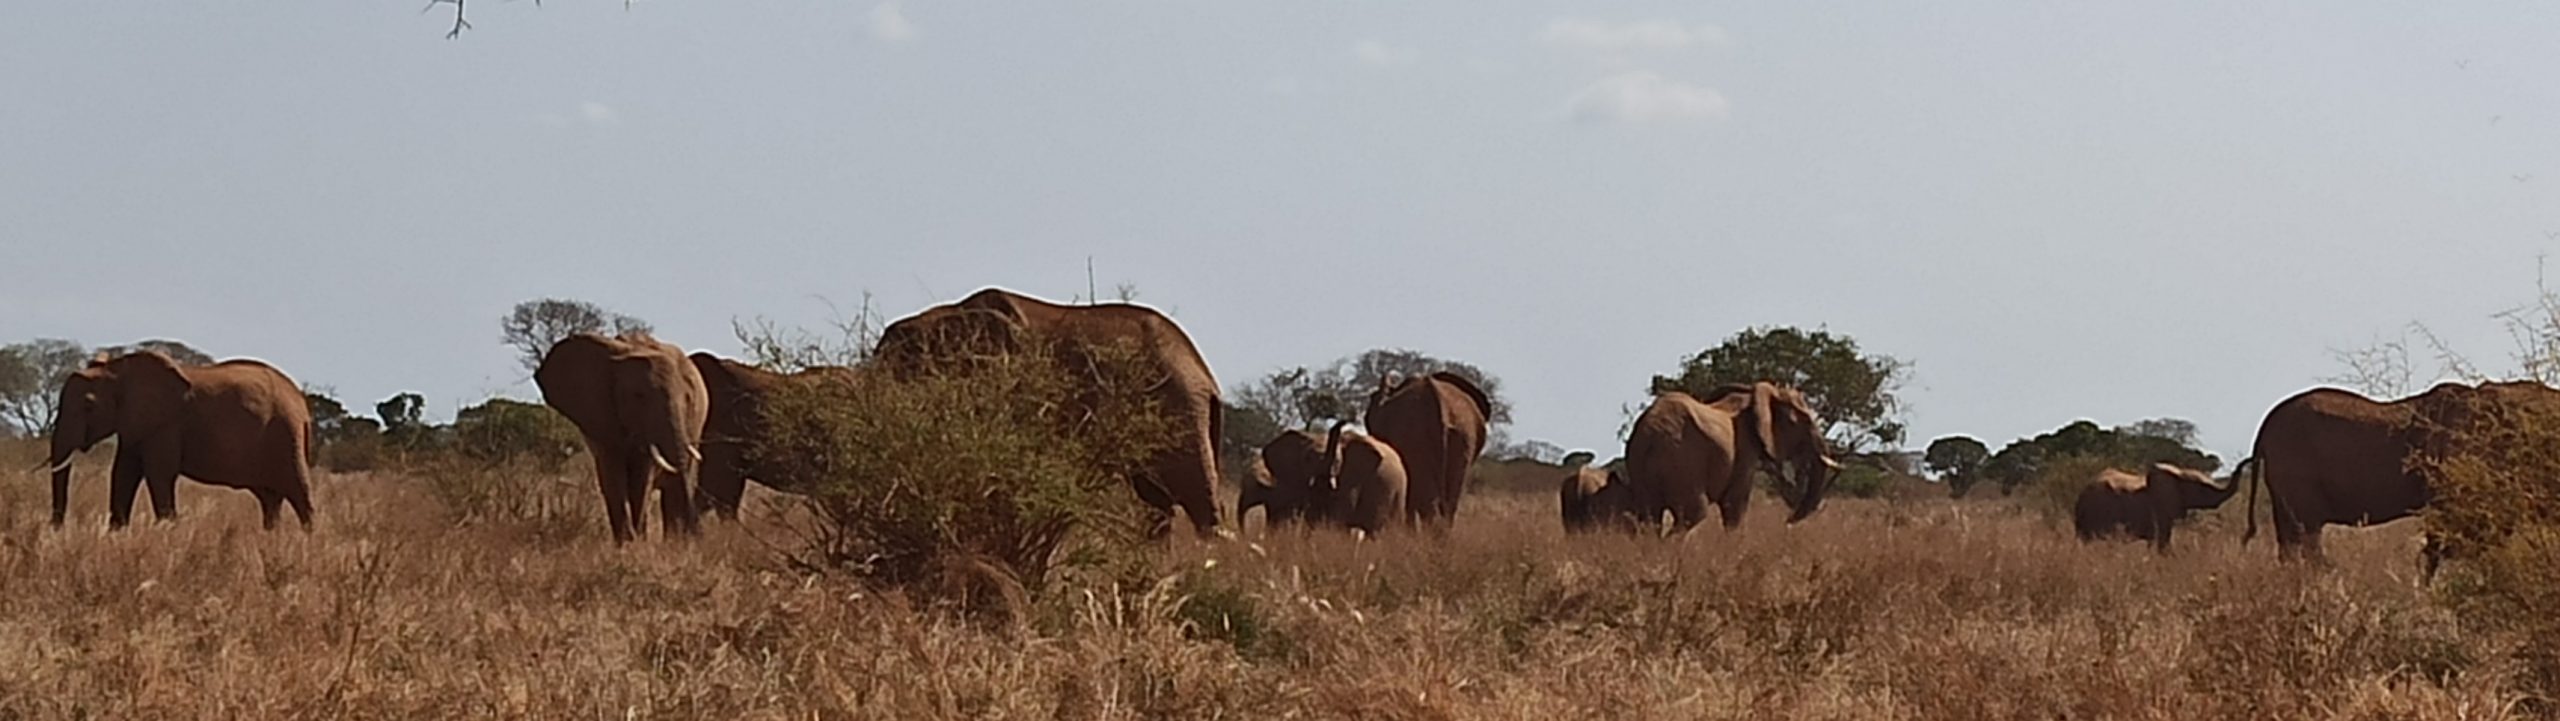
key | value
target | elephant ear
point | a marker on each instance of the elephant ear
(1764, 412)
(1484, 407)
(2169, 474)
(577, 378)
(153, 392)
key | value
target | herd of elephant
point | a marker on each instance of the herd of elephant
(654, 418)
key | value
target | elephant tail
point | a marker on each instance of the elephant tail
(2250, 472)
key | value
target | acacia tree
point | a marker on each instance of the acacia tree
(1956, 460)
(1854, 391)
(535, 325)
(1313, 397)
(31, 376)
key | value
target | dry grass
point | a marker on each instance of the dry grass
(1871, 610)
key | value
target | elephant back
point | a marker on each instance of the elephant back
(2121, 481)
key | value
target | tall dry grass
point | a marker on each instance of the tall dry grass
(398, 608)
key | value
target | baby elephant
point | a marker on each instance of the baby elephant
(1593, 500)
(2145, 506)
(1348, 478)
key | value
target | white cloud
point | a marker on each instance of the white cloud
(1381, 54)
(889, 24)
(596, 113)
(1643, 97)
(1285, 86)
(1605, 36)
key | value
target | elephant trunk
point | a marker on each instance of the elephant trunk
(1327, 484)
(1813, 472)
(66, 443)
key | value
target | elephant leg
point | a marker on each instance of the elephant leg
(675, 505)
(269, 503)
(613, 482)
(639, 473)
(1189, 477)
(160, 475)
(1687, 509)
(1735, 502)
(122, 481)
(723, 481)
(300, 497)
(2160, 538)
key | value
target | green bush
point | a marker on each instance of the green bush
(1016, 462)
(501, 430)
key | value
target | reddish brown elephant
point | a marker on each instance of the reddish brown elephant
(1593, 499)
(996, 320)
(1349, 479)
(1436, 423)
(641, 406)
(238, 423)
(1291, 463)
(2330, 456)
(732, 429)
(2145, 506)
(1686, 452)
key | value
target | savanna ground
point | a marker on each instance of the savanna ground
(402, 606)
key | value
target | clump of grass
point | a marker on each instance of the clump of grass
(976, 480)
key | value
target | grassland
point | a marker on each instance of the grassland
(1930, 609)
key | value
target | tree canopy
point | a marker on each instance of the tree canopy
(1854, 391)
(31, 376)
(2023, 460)
(534, 325)
(1957, 460)
(1313, 397)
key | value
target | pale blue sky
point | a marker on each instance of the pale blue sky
(2111, 211)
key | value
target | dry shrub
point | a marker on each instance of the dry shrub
(540, 496)
(975, 478)
(2496, 515)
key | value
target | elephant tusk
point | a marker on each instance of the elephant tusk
(57, 468)
(695, 451)
(661, 460)
(1831, 464)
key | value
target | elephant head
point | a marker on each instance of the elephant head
(1290, 464)
(1325, 492)
(2186, 489)
(1783, 430)
(138, 395)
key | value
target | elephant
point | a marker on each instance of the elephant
(1685, 452)
(732, 429)
(1364, 483)
(1436, 422)
(1594, 499)
(1291, 462)
(1351, 479)
(237, 423)
(2331, 456)
(641, 406)
(2147, 505)
(1184, 475)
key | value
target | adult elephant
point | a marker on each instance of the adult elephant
(2147, 505)
(1184, 474)
(1686, 452)
(1436, 422)
(238, 423)
(641, 407)
(733, 429)
(2329, 456)
(1593, 499)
